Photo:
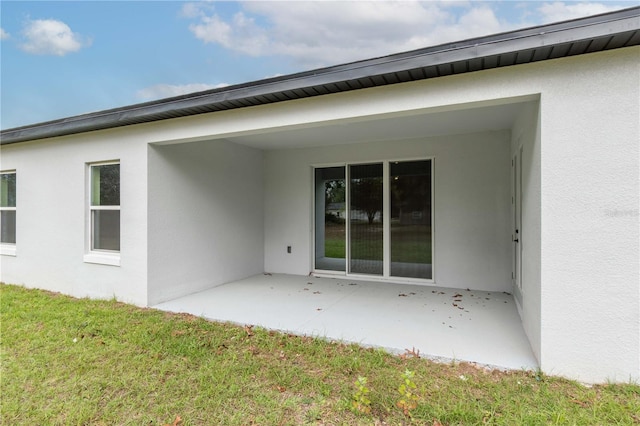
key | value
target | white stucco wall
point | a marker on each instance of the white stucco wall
(590, 306)
(472, 193)
(205, 217)
(51, 209)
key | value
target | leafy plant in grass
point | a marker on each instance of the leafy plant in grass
(408, 396)
(361, 402)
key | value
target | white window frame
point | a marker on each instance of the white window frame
(103, 257)
(9, 249)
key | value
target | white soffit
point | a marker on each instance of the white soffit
(472, 120)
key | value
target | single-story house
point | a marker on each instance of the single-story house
(504, 163)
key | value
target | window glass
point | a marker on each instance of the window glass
(8, 227)
(106, 229)
(8, 208)
(105, 207)
(7, 190)
(105, 185)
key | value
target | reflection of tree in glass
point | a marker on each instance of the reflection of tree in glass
(409, 193)
(8, 189)
(110, 185)
(334, 191)
(366, 196)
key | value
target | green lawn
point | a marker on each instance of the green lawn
(410, 244)
(66, 361)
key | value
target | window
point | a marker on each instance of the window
(8, 207)
(104, 208)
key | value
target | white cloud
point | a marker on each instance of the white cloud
(320, 33)
(51, 37)
(3, 34)
(160, 91)
(561, 11)
(323, 33)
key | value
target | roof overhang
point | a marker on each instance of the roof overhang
(576, 37)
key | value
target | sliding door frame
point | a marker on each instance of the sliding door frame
(386, 223)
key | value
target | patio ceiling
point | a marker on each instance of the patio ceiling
(470, 120)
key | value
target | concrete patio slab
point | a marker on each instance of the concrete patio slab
(445, 323)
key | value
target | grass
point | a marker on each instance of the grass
(409, 243)
(67, 361)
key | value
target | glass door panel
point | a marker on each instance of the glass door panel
(330, 225)
(411, 242)
(366, 219)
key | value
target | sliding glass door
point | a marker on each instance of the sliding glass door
(375, 219)
(410, 230)
(366, 219)
(330, 214)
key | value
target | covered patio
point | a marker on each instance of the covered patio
(441, 323)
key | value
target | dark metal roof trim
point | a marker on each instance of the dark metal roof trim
(579, 36)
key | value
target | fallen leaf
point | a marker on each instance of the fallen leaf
(457, 295)
(402, 295)
(176, 422)
(413, 353)
(281, 389)
(248, 330)
(580, 403)
(316, 292)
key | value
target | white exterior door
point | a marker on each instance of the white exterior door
(516, 208)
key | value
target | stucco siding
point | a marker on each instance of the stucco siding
(52, 208)
(590, 229)
(205, 217)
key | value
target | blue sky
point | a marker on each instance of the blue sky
(63, 58)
